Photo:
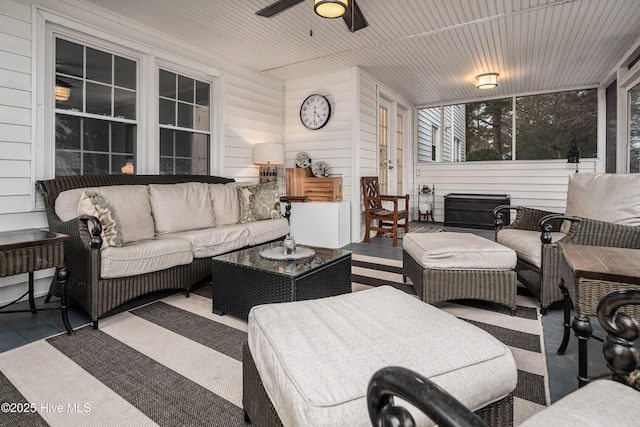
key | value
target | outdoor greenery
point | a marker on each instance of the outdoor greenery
(545, 126)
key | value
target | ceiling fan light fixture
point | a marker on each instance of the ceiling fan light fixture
(487, 81)
(330, 8)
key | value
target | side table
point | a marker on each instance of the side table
(26, 251)
(588, 274)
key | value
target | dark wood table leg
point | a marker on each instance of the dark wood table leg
(567, 319)
(63, 275)
(583, 330)
(32, 301)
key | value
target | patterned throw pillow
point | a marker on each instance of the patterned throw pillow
(259, 202)
(92, 203)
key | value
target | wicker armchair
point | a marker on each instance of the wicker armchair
(601, 402)
(602, 210)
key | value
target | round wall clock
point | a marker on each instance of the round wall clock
(315, 111)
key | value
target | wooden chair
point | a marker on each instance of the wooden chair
(387, 220)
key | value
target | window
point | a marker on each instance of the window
(545, 125)
(400, 168)
(185, 124)
(95, 110)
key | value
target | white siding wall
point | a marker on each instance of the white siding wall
(537, 184)
(250, 107)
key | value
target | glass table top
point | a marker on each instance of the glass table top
(250, 257)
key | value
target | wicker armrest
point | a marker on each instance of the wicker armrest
(526, 218)
(435, 402)
(585, 231)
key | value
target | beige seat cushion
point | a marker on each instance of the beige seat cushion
(526, 243)
(181, 207)
(213, 241)
(599, 403)
(266, 231)
(458, 251)
(316, 357)
(144, 256)
(610, 197)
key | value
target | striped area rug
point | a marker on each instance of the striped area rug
(522, 333)
(174, 362)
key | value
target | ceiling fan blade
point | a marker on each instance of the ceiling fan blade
(359, 21)
(277, 7)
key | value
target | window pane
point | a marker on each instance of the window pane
(118, 162)
(69, 58)
(634, 130)
(99, 66)
(67, 132)
(202, 118)
(94, 163)
(612, 123)
(185, 115)
(124, 103)
(167, 84)
(166, 166)
(96, 135)
(124, 72)
(488, 133)
(166, 142)
(67, 163)
(183, 144)
(167, 112)
(183, 167)
(427, 118)
(74, 100)
(98, 99)
(123, 138)
(185, 89)
(202, 93)
(546, 125)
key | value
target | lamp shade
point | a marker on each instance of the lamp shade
(330, 8)
(487, 81)
(268, 154)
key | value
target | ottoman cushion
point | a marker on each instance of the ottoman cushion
(315, 358)
(458, 251)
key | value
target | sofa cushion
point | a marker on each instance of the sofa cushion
(92, 203)
(587, 193)
(131, 203)
(213, 241)
(526, 243)
(458, 251)
(226, 204)
(266, 231)
(315, 358)
(144, 256)
(181, 207)
(66, 205)
(599, 403)
(259, 202)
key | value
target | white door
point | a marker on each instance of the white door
(392, 134)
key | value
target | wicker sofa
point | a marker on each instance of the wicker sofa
(166, 229)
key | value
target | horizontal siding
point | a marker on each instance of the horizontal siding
(537, 184)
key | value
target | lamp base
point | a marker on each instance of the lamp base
(268, 173)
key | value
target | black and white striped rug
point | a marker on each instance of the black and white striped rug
(174, 362)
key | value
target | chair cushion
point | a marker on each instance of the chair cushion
(599, 403)
(458, 250)
(526, 243)
(181, 207)
(589, 193)
(316, 357)
(144, 256)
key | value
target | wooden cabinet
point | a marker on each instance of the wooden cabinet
(299, 182)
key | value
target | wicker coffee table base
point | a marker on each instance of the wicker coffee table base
(259, 410)
(436, 285)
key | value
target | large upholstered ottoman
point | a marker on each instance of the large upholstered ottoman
(308, 363)
(450, 266)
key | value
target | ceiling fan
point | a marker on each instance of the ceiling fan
(353, 16)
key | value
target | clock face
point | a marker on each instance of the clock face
(315, 111)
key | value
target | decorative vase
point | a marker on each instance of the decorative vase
(289, 245)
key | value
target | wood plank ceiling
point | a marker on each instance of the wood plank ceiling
(428, 51)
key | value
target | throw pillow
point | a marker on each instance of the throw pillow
(259, 202)
(93, 203)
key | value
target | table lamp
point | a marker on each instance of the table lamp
(268, 156)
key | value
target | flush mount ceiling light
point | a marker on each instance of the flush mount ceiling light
(487, 81)
(330, 8)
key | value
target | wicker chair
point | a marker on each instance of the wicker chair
(602, 210)
(387, 220)
(602, 401)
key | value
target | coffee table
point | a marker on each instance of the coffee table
(243, 279)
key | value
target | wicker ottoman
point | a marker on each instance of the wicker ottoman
(450, 266)
(308, 363)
